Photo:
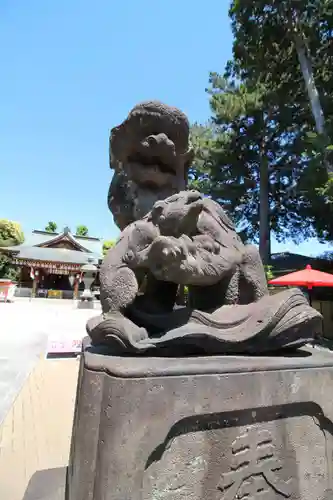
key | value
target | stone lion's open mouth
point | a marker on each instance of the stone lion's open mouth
(150, 175)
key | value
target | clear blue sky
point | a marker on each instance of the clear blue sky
(71, 70)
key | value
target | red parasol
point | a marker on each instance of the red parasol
(307, 277)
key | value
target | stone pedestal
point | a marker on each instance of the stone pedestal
(218, 428)
(85, 304)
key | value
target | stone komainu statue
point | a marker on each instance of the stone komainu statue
(173, 237)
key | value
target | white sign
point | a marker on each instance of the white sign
(64, 346)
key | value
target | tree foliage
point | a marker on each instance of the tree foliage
(11, 233)
(51, 227)
(262, 141)
(268, 38)
(107, 245)
(202, 138)
(269, 271)
(82, 230)
(249, 133)
(265, 47)
(7, 269)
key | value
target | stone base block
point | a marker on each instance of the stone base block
(86, 304)
(218, 428)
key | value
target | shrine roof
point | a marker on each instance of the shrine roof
(39, 246)
(36, 238)
(55, 255)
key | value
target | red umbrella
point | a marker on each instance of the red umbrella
(307, 277)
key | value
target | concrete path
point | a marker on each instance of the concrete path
(37, 396)
(22, 343)
(26, 330)
(35, 435)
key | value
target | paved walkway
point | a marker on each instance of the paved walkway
(26, 329)
(36, 396)
(35, 435)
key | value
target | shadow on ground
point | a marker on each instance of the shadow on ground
(47, 484)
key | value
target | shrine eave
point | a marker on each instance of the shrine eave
(50, 266)
(26, 255)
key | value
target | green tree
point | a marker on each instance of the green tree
(7, 269)
(107, 245)
(11, 233)
(202, 138)
(82, 231)
(294, 41)
(287, 46)
(51, 227)
(269, 272)
(252, 162)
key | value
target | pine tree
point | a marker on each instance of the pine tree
(287, 46)
(252, 163)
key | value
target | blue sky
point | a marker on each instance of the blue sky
(71, 70)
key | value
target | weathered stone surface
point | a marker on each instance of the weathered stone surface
(188, 240)
(86, 304)
(150, 154)
(171, 238)
(203, 427)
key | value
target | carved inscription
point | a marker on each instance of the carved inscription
(253, 469)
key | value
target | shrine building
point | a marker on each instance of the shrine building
(50, 263)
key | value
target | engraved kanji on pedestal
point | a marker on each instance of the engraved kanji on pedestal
(254, 468)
